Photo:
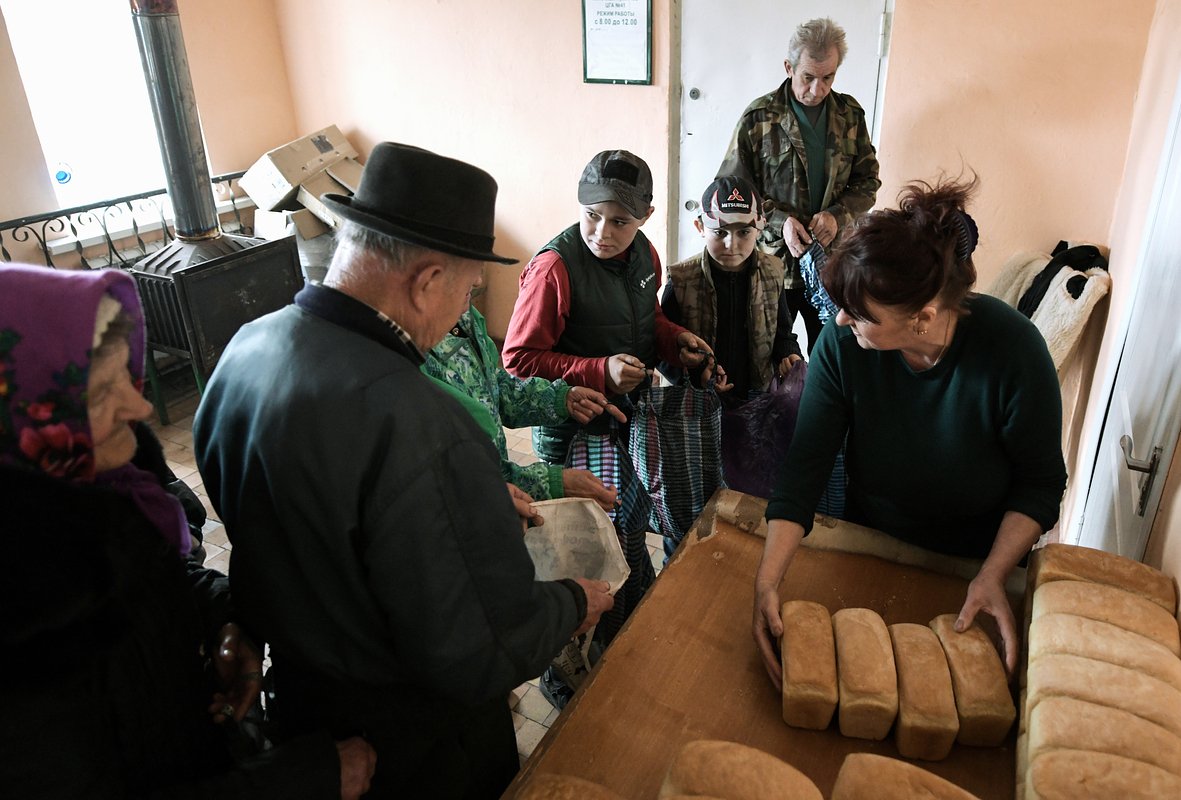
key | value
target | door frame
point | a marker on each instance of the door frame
(1103, 407)
(672, 198)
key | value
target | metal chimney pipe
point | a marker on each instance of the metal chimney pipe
(174, 106)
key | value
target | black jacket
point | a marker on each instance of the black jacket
(102, 633)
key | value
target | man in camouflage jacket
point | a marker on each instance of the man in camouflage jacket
(768, 148)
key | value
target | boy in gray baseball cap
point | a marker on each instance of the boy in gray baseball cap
(587, 313)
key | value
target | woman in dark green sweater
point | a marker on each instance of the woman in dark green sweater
(949, 401)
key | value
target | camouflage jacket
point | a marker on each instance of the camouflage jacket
(693, 287)
(768, 149)
(467, 366)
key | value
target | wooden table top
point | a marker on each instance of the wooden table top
(685, 667)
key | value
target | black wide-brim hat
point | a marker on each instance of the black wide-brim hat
(426, 199)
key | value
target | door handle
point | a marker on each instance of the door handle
(1147, 466)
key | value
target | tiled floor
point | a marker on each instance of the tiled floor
(532, 713)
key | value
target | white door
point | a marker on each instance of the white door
(733, 52)
(1144, 409)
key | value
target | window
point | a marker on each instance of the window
(80, 65)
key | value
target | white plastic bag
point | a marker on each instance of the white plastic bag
(577, 540)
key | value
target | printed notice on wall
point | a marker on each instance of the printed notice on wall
(617, 41)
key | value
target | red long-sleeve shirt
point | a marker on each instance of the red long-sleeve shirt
(539, 319)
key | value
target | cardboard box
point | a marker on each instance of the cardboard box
(340, 178)
(275, 178)
(271, 225)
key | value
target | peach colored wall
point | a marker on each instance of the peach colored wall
(496, 84)
(1159, 85)
(240, 79)
(1036, 97)
(27, 189)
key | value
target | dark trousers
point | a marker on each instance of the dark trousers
(797, 303)
(426, 745)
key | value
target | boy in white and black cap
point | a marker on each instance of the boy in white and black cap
(587, 313)
(731, 294)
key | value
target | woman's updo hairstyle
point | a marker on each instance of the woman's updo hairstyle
(909, 256)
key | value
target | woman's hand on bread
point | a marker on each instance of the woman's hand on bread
(768, 628)
(783, 539)
(598, 602)
(987, 593)
(1014, 539)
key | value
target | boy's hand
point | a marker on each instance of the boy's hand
(583, 405)
(624, 373)
(721, 382)
(786, 364)
(694, 350)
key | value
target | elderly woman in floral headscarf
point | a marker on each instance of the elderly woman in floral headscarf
(103, 624)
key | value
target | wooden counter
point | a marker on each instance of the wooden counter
(685, 667)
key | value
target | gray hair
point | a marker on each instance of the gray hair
(816, 37)
(354, 240)
(117, 331)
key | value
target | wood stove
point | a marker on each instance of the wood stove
(199, 289)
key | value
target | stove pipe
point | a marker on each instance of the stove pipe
(174, 107)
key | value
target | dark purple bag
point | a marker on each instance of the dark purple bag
(755, 435)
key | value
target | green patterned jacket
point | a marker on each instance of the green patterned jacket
(768, 150)
(467, 366)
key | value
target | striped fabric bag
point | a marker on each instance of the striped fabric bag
(676, 447)
(605, 455)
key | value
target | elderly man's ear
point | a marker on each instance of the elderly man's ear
(427, 279)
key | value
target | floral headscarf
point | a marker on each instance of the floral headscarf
(47, 332)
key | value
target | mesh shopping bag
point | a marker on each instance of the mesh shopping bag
(677, 451)
(605, 454)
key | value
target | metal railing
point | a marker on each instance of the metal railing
(111, 233)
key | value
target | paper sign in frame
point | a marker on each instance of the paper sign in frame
(622, 58)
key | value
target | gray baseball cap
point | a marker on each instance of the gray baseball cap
(619, 176)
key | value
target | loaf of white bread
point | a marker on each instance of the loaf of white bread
(1063, 723)
(927, 717)
(1070, 634)
(809, 661)
(865, 776)
(1058, 562)
(1061, 675)
(1102, 706)
(982, 697)
(732, 771)
(1087, 775)
(1110, 604)
(550, 786)
(866, 677)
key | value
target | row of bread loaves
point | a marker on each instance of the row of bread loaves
(940, 686)
(731, 771)
(1101, 710)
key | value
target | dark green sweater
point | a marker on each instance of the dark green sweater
(934, 457)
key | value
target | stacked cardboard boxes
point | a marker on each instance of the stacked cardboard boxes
(287, 182)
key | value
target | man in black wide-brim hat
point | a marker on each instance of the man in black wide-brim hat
(375, 546)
